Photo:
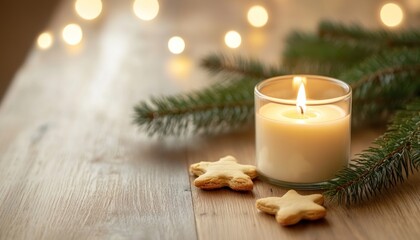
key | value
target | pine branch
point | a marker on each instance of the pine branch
(218, 108)
(376, 73)
(383, 83)
(307, 53)
(396, 155)
(375, 39)
(220, 64)
(337, 47)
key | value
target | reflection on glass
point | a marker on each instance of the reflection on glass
(298, 81)
(146, 9)
(257, 16)
(72, 34)
(391, 15)
(233, 39)
(88, 9)
(45, 40)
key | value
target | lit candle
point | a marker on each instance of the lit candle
(302, 142)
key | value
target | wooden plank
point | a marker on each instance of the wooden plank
(72, 165)
(225, 214)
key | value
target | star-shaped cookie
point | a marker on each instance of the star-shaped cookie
(293, 207)
(224, 173)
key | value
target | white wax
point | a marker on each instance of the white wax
(300, 149)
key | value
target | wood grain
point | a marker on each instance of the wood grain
(72, 165)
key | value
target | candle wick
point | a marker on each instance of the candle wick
(301, 109)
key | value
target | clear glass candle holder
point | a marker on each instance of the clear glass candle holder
(302, 142)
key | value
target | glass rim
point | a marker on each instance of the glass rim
(345, 86)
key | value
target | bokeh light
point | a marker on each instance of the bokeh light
(257, 16)
(88, 9)
(391, 15)
(179, 70)
(45, 40)
(146, 9)
(233, 39)
(176, 45)
(72, 34)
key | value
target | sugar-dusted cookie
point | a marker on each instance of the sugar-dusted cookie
(292, 207)
(224, 173)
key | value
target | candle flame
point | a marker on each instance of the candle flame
(301, 99)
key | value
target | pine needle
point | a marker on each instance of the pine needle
(382, 67)
(375, 39)
(375, 62)
(218, 108)
(238, 66)
(395, 156)
(383, 83)
(308, 53)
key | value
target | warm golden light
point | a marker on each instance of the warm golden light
(88, 9)
(176, 45)
(179, 70)
(301, 99)
(413, 5)
(233, 39)
(297, 81)
(146, 9)
(72, 34)
(257, 16)
(45, 40)
(391, 15)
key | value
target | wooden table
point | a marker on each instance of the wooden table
(73, 166)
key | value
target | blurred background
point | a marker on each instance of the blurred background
(20, 24)
(180, 32)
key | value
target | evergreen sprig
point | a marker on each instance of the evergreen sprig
(375, 39)
(309, 53)
(237, 66)
(383, 83)
(218, 108)
(382, 67)
(336, 47)
(394, 157)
